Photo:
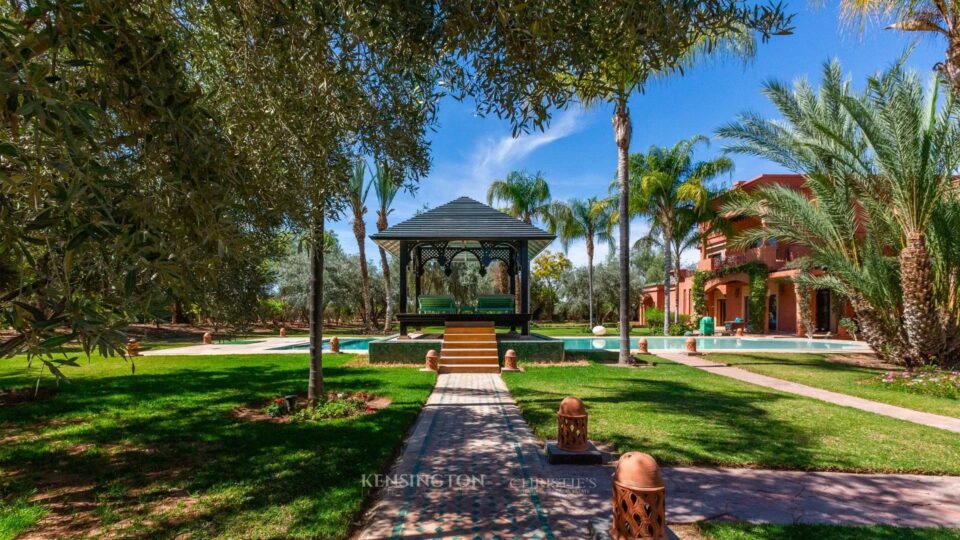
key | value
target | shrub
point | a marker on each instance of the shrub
(927, 380)
(677, 329)
(654, 318)
(338, 408)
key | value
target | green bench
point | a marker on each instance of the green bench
(439, 303)
(495, 303)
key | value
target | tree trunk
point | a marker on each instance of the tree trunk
(360, 231)
(803, 303)
(888, 340)
(501, 278)
(667, 268)
(315, 384)
(676, 299)
(951, 65)
(388, 290)
(924, 337)
(621, 130)
(590, 278)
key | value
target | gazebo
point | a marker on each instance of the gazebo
(463, 227)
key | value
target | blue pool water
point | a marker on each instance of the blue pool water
(653, 342)
(346, 344)
(712, 343)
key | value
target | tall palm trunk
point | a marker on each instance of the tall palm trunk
(951, 67)
(315, 381)
(667, 268)
(920, 320)
(360, 231)
(590, 276)
(622, 132)
(676, 299)
(388, 289)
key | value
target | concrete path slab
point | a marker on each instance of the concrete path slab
(910, 415)
(767, 496)
(472, 469)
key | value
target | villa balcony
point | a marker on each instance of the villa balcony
(775, 257)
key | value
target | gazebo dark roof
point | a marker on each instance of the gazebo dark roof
(463, 220)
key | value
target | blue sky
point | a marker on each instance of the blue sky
(577, 154)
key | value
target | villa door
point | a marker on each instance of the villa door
(772, 313)
(823, 310)
(722, 310)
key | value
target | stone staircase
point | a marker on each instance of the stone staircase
(469, 347)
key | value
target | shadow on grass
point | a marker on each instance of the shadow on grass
(678, 422)
(138, 443)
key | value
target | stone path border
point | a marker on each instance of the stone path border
(472, 429)
(900, 413)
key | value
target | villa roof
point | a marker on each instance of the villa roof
(466, 221)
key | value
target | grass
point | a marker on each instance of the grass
(159, 454)
(18, 516)
(747, 531)
(685, 416)
(815, 370)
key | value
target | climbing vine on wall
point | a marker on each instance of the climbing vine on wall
(756, 272)
(700, 278)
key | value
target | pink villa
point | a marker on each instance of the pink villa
(726, 275)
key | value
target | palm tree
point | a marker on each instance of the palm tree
(386, 189)
(588, 220)
(936, 17)
(357, 190)
(671, 189)
(614, 78)
(881, 210)
(525, 197)
(692, 226)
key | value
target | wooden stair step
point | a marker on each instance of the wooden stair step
(470, 369)
(469, 324)
(490, 351)
(480, 357)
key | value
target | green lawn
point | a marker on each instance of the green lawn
(815, 370)
(746, 531)
(158, 453)
(682, 415)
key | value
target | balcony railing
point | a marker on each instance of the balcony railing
(717, 263)
(785, 254)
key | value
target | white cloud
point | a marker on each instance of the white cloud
(493, 158)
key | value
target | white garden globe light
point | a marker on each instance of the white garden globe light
(599, 330)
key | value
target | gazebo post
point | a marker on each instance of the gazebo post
(525, 284)
(404, 262)
(418, 273)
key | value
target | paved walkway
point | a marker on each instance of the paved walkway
(472, 469)
(468, 470)
(910, 415)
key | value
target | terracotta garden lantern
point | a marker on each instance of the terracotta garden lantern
(691, 345)
(431, 360)
(642, 344)
(510, 361)
(283, 331)
(639, 499)
(572, 425)
(334, 344)
(133, 347)
(207, 338)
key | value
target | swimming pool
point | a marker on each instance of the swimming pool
(346, 345)
(653, 343)
(715, 343)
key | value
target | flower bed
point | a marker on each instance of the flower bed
(928, 381)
